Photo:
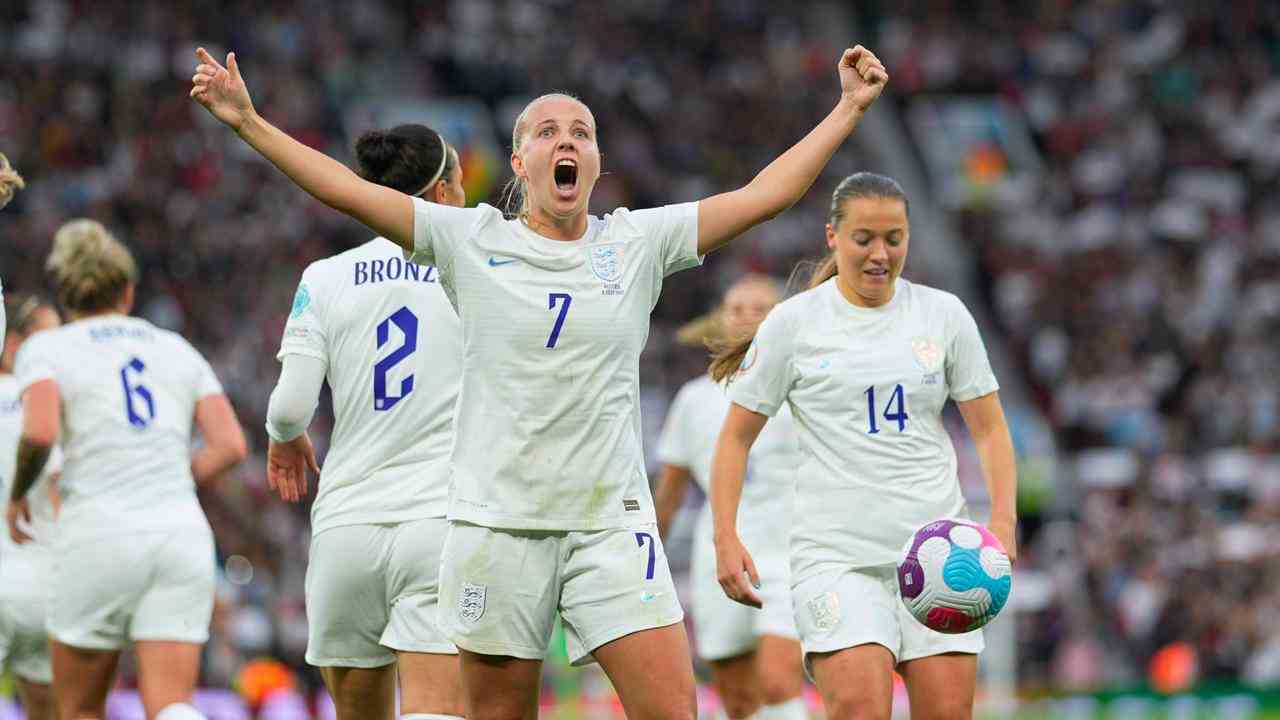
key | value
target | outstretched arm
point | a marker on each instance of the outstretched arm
(785, 180)
(222, 92)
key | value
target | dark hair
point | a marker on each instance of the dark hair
(406, 158)
(727, 358)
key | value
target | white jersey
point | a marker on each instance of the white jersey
(393, 350)
(548, 428)
(689, 441)
(23, 561)
(128, 392)
(867, 387)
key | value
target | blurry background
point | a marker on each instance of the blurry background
(1097, 179)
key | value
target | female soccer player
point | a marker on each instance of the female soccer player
(10, 183)
(550, 512)
(24, 559)
(383, 332)
(866, 361)
(754, 654)
(133, 554)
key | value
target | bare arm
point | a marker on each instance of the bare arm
(224, 443)
(667, 497)
(728, 470)
(222, 92)
(985, 418)
(41, 416)
(785, 180)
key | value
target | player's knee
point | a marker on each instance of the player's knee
(849, 705)
(179, 711)
(738, 703)
(944, 709)
(779, 687)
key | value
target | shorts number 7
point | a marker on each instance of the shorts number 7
(640, 538)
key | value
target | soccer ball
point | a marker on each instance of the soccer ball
(954, 576)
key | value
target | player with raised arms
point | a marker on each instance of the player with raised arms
(382, 331)
(754, 654)
(866, 361)
(24, 557)
(550, 511)
(133, 555)
(10, 183)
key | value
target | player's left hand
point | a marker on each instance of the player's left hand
(1006, 532)
(862, 76)
(287, 466)
(18, 510)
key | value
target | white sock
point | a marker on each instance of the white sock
(179, 711)
(424, 716)
(792, 709)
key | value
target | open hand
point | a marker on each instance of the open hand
(287, 466)
(18, 510)
(862, 76)
(221, 90)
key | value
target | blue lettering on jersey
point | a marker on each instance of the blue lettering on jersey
(10, 407)
(112, 332)
(390, 269)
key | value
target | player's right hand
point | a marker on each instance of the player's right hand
(736, 571)
(221, 90)
(18, 510)
(287, 466)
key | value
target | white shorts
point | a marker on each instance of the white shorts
(24, 644)
(844, 609)
(501, 590)
(372, 590)
(723, 628)
(109, 590)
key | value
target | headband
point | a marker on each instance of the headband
(444, 157)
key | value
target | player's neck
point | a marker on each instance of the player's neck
(96, 313)
(565, 229)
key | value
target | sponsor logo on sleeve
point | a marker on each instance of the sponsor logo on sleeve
(471, 602)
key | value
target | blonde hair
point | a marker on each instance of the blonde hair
(727, 358)
(717, 337)
(10, 181)
(515, 196)
(89, 266)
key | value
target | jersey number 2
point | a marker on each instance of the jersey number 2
(131, 381)
(895, 400)
(408, 324)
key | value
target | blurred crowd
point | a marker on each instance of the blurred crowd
(1135, 282)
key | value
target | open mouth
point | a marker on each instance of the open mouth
(566, 175)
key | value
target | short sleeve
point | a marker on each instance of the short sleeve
(674, 228)
(437, 230)
(969, 374)
(207, 382)
(767, 372)
(35, 362)
(673, 444)
(304, 331)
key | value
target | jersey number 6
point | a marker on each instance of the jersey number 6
(408, 324)
(130, 380)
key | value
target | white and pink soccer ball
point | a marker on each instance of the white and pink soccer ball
(954, 576)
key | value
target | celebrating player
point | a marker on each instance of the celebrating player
(550, 511)
(24, 568)
(866, 360)
(754, 654)
(384, 333)
(133, 554)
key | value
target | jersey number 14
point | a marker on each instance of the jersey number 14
(894, 411)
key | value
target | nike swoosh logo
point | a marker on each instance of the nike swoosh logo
(495, 262)
(646, 597)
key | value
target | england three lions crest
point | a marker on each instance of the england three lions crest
(607, 260)
(928, 352)
(471, 603)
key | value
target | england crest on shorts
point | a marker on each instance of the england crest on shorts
(471, 603)
(825, 610)
(606, 261)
